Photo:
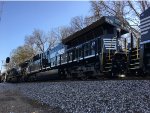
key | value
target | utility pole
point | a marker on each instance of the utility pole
(2, 65)
(1, 9)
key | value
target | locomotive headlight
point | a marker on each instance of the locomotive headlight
(122, 75)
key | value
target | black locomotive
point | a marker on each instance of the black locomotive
(94, 51)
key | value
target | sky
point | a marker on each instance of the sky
(19, 19)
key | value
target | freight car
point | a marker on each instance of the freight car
(95, 51)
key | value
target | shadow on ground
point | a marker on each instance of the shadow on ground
(14, 102)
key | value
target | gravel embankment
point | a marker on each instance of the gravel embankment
(110, 96)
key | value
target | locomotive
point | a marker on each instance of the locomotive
(94, 51)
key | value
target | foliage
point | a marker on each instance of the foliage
(37, 40)
(20, 54)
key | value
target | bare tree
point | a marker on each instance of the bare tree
(88, 20)
(144, 5)
(80, 22)
(62, 32)
(29, 41)
(96, 10)
(40, 39)
(77, 23)
(136, 8)
(37, 40)
(52, 39)
(66, 31)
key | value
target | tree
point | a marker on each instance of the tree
(96, 10)
(29, 41)
(66, 31)
(88, 20)
(77, 23)
(19, 55)
(62, 32)
(56, 35)
(37, 40)
(52, 39)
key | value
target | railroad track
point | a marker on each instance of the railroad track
(94, 79)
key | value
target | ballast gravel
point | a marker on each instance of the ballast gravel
(108, 96)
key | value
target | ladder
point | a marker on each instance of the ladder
(107, 66)
(134, 59)
(110, 46)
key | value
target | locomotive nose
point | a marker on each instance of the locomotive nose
(118, 65)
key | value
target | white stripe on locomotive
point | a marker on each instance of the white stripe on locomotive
(147, 28)
(145, 25)
(143, 33)
(148, 17)
(144, 22)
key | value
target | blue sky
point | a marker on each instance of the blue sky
(21, 18)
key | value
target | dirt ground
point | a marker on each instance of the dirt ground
(13, 102)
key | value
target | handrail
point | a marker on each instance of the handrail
(125, 44)
(137, 48)
(110, 45)
(102, 55)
